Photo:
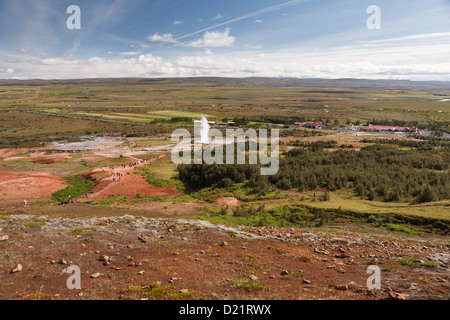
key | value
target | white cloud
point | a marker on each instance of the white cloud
(214, 39)
(218, 17)
(258, 21)
(167, 38)
(252, 47)
(406, 60)
(177, 22)
(130, 53)
(209, 39)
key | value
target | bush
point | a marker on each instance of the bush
(77, 187)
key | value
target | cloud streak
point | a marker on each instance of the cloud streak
(246, 16)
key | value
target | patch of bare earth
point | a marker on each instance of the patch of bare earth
(16, 186)
(214, 262)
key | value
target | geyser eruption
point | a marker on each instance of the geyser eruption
(204, 131)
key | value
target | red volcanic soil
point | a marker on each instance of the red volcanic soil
(16, 186)
(130, 183)
(49, 159)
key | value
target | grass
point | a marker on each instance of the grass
(248, 285)
(400, 229)
(346, 201)
(155, 291)
(36, 223)
(161, 173)
(83, 230)
(77, 187)
(36, 295)
(417, 262)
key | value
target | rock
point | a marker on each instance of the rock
(341, 287)
(396, 296)
(321, 252)
(17, 268)
(62, 261)
(215, 255)
(412, 286)
(341, 271)
(223, 244)
(175, 253)
(95, 275)
(141, 272)
(253, 277)
(143, 238)
(306, 281)
(183, 291)
(304, 259)
(104, 258)
(4, 238)
(284, 273)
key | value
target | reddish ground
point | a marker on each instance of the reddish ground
(16, 186)
(131, 183)
(213, 262)
(57, 158)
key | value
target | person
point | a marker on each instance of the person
(25, 203)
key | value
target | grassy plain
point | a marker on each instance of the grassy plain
(147, 111)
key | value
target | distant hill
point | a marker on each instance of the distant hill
(252, 82)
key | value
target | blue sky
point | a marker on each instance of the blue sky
(245, 38)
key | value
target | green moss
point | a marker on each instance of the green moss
(400, 229)
(248, 285)
(82, 230)
(155, 291)
(417, 262)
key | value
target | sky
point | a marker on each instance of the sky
(234, 38)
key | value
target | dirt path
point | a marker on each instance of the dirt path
(122, 180)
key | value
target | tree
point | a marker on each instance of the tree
(427, 195)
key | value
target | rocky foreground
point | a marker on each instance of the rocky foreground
(141, 258)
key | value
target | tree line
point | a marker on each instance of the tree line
(376, 172)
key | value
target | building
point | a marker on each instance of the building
(312, 125)
(390, 129)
